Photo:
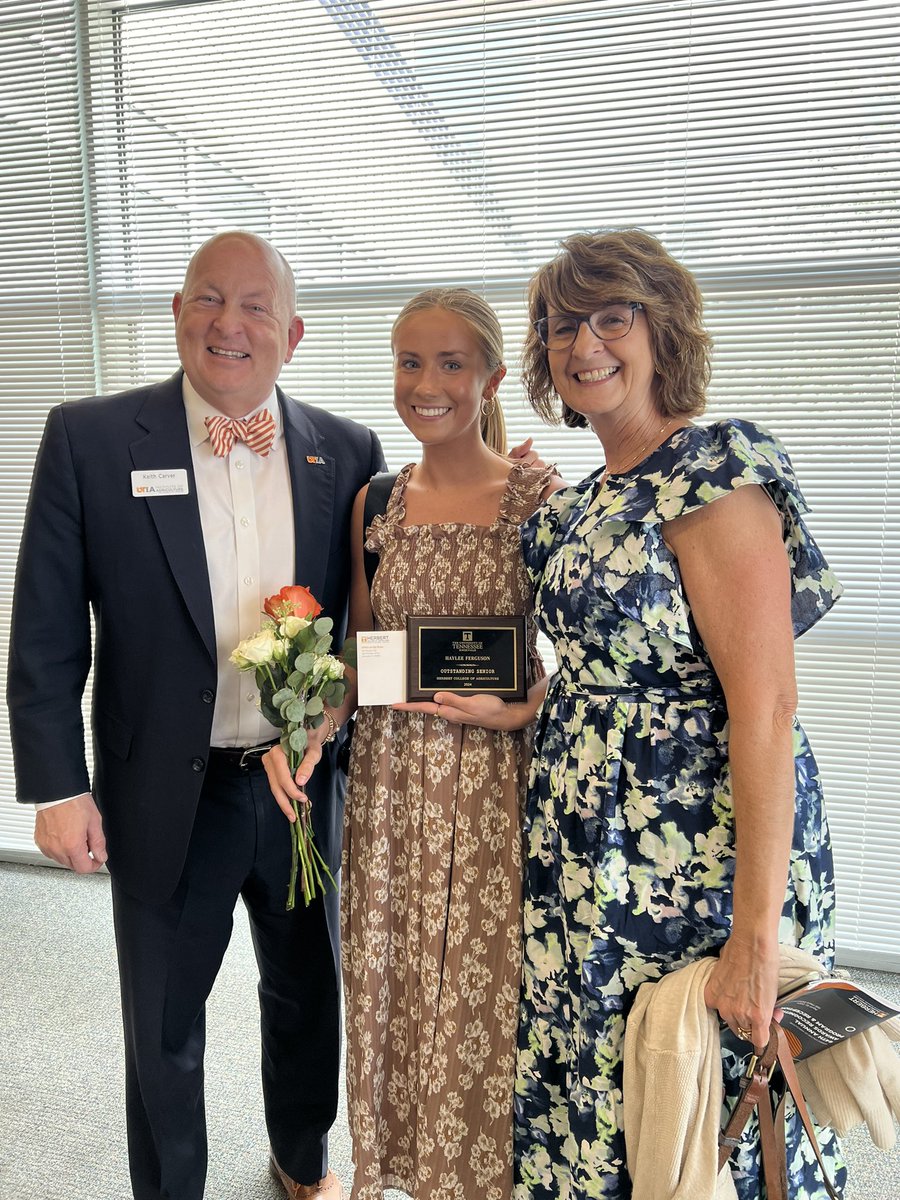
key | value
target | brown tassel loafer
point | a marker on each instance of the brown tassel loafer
(328, 1188)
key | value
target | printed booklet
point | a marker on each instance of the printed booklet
(826, 1011)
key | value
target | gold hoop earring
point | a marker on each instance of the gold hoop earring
(488, 404)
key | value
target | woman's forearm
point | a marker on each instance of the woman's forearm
(761, 763)
(522, 713)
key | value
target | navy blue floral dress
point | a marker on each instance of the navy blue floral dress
(629, 829)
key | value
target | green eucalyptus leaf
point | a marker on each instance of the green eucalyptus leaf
(295, 679)
(323, 625)
(296, 711)
(315, 722)
(298, 740)
(282, 696)
(348, 652)
(314, 706)
(305, 662)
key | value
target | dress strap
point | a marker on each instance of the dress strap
(388, 515)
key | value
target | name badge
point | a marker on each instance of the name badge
(159, 483)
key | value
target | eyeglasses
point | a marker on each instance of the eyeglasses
(608, 324)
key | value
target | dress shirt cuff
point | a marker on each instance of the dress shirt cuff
(53, 803)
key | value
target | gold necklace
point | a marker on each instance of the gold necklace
(641, 454)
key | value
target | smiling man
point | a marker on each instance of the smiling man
(235, 323)
(171, 512)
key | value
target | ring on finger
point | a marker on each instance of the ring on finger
(743, 1032)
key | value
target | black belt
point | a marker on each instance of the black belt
(240, 758)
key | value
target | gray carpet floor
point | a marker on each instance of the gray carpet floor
(62, 1127)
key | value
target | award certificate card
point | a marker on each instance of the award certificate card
(381, 666)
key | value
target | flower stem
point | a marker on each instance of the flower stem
(292, 883)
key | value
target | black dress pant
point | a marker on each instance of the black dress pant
(169, 956)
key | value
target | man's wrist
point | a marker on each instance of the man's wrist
(53, 803)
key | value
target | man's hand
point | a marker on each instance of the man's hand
(526, 455)
(283, 787)
(72, 834)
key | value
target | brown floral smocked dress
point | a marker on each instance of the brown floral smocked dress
(431, 891)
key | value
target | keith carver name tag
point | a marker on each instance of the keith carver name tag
(159, 483)
(466, 655)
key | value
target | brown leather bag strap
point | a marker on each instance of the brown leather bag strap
(772, 1146)
(755, 1087)
(756, 1094)
(791, 1079)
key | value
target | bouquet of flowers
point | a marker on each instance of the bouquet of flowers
(297, 676)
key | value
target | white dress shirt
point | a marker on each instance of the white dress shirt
(248, 532)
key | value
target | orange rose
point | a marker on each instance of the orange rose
(294, 601)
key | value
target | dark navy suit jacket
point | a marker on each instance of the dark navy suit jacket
(140, 564)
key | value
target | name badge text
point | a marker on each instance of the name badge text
(147, 484)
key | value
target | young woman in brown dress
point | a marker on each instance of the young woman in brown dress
(431, 878)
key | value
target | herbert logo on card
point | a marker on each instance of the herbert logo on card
(150, 484)
(381, 666)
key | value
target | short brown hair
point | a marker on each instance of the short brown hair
(618, 266)
(485, 324)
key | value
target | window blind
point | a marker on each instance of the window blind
(47, 347)
(390, 145)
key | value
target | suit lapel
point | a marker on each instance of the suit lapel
(312, 491)
(165, 445)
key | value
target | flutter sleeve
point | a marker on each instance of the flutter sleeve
(700, 466)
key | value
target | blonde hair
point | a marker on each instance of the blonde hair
(483, 322)
(619, 266)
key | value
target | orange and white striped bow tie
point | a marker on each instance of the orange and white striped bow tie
(257, 431)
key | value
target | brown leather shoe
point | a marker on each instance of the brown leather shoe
(328, 1188)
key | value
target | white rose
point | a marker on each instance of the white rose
(328, 667)
(255, 651)
(291, 626)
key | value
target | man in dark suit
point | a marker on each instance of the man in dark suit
(173, 538)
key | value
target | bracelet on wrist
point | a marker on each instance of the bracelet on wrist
(332, 728)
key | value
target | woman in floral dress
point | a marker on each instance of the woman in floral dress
(674, 807)
(431, 891)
